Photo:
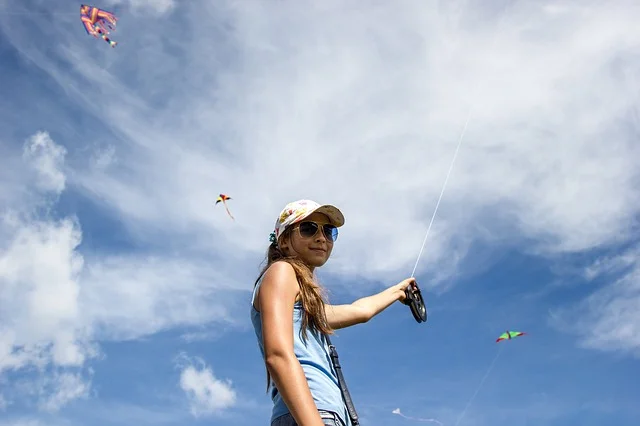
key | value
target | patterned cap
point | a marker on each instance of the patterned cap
(298, 210)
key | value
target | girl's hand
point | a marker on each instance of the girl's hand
(402, 286)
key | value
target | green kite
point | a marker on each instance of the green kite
(509, 335)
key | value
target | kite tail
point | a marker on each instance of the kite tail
(108, 40)
(103, 34)
(419, 419)
(228, 212)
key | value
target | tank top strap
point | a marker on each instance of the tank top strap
(255, 289)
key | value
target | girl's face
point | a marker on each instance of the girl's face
(311, 240)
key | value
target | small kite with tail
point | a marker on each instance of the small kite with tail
(98, 22)
(222, 198)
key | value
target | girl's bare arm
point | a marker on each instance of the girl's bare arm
(276, 298)
(362, 310)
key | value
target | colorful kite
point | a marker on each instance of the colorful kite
(98, 22)
(510, 335)
(223, 199)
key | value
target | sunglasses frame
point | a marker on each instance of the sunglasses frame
(318, 227)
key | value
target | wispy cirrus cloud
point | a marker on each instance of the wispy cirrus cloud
(357, 105)
(609, 318)
(144, 6)
(532, 154)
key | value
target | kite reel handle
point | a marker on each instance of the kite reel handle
(416, 303)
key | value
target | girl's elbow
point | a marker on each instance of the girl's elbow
(277, 358)
(359, 314)
(365, 315)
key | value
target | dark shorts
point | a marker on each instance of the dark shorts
(328, 419)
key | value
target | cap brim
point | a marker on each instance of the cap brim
(333, 213)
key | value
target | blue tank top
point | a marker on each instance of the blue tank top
(316, 364)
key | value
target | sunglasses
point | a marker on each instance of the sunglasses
(309, 229)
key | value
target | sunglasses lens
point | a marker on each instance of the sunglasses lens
(331, 232)
(308, 229)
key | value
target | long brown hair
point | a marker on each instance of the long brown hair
(311, 294)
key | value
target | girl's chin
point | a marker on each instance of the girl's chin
(317, 258)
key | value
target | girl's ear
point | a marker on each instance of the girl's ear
(284, 246)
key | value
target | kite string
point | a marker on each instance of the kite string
(444, 185)
(455, 155)
(473, 397)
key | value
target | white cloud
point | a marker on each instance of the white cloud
(379, 117)
(32, 177)
(40, 321)
(158, 6)
(378, 112)
(62, 388)
(608, 319)
(56, 304)
(207, 394)
(612, 264)
(127, 297)
(39, 271)
(103, 158)
(47, 159)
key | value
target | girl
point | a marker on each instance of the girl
(291, 319)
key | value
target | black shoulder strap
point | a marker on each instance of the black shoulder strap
(333, 353)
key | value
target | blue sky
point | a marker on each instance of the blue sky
(125, 293)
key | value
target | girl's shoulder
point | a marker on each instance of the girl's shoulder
(280, 274)
(279, 278)
(280, 267)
